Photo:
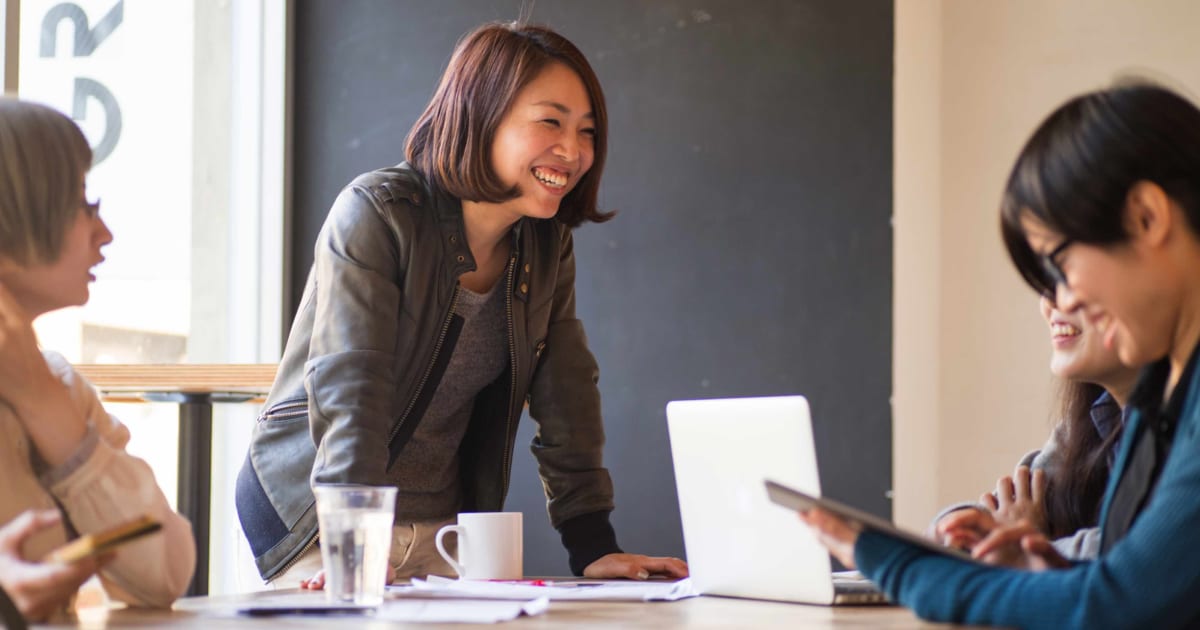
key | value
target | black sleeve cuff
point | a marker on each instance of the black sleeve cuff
(10, 615)
(588, 537)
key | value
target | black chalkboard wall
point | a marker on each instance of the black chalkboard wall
(751, 162)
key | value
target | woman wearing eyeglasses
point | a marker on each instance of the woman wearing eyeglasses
(64, 471)
(1102, 210)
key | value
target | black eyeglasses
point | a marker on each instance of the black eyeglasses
(91, 207)
(1054, 275)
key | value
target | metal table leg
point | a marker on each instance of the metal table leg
(195, 478)
(194, 487)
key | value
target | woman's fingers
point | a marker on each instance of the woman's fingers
(837, 535)
(1005, 491)
(964, 528)
(1039, 547)
(314, 583)
(966, 519)
(1001, 537)
(961, 540)
(1021, 481)
(1038, 486)
(25, 525)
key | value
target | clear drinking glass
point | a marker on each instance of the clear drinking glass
(356, 536)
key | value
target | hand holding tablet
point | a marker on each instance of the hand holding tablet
(797, 500)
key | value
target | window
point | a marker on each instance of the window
(184, 105)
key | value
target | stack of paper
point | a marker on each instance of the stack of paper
(600, 590)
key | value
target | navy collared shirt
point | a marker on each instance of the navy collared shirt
(1108, 417)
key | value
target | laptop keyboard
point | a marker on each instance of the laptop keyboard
(849, 587)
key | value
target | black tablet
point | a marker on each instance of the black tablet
(796, 500)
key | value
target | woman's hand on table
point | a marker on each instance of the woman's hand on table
(635, 567)
(317, 581)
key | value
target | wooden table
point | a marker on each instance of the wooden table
(194, 387)
(699, 612)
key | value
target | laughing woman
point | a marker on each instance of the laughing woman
(1058, 488)
(441, 299)
(1102, 210)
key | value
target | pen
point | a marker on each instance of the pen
(546, 583)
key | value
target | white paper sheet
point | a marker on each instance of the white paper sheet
(433, 610)
(605, 590)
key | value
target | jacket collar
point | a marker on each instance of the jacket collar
(452, 228)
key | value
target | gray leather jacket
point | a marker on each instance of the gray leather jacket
(370, 342)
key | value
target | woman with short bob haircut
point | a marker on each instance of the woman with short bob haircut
(44, 157)
(64, 471)
(1102, 211)
(441, 299)
(470, 104)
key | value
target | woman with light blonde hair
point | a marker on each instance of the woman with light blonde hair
(64, 471)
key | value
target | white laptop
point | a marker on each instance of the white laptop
(738, 542)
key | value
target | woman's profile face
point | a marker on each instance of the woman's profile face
(544, 143)
(44, 287)
(1113, 290)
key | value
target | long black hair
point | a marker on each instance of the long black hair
(1075, 490)
(1075, 172)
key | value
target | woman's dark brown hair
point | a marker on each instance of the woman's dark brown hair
(451, 144)
(1075, 490)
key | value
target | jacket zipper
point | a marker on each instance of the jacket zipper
(286, 410)
(296, 404)
(303, 550)
(512, 357)
(277, 415)
(437, 348)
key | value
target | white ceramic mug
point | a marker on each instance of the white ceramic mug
(489, 546)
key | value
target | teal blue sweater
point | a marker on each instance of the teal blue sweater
(1149, 579)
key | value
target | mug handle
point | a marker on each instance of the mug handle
(462, 539)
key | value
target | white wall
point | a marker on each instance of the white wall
(972, 388)
(916, 223)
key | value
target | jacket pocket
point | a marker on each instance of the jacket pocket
(286, 410)
(282, 454)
